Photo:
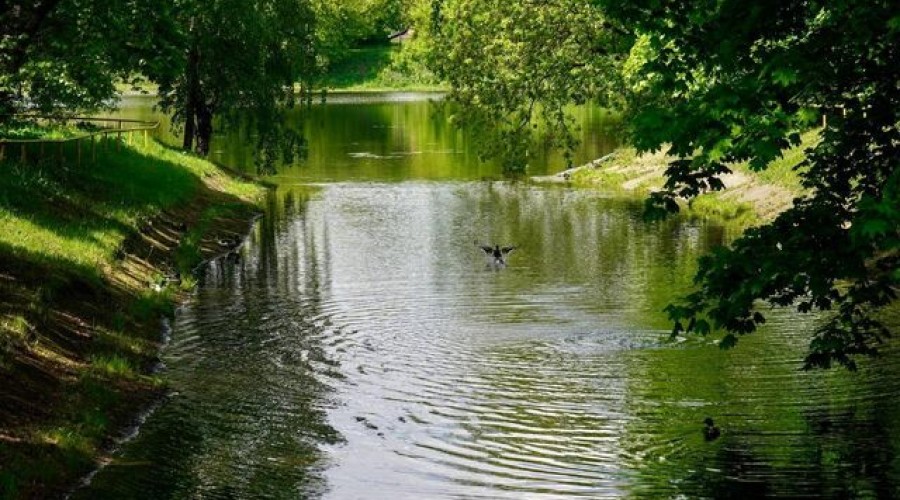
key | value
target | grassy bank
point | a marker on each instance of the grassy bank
(92, 254)
(749, 197)
(379, 69)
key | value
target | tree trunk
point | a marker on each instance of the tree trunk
(204, 128)
(192, 103)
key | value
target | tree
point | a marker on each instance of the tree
(236, 55)
(342, 26)
(511, 62)
(716, 83)
(729, 82)
(61, 55)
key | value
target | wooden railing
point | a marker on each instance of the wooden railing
(124, 130)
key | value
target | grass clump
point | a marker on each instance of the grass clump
(712, 206)
(114, 365)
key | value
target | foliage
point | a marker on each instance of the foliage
(523, 60)
(58, 55)
(207, 57)
(342, 26)
(234, 55)
(731, 82)
(353, 49)
(392, 67)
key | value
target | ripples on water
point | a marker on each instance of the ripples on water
(360, 348)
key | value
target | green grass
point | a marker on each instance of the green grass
(23, 130)
(782, 171)
(63, 225)
(114, 365)
(81, 214)
(713, 206)
(380, 68)
(645, 173)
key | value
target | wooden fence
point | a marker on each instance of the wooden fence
(120, 129)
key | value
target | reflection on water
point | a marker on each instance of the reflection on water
(357, 137)
(359, 348)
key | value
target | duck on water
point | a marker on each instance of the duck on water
(711, 432)
(496, 255)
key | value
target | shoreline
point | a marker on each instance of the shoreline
(747, 200)
(132, 430)
(80, 342)
(344, 91)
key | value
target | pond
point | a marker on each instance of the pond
(359, 346)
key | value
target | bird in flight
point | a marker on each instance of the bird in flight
(496, 254)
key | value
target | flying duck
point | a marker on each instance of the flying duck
(496, 255)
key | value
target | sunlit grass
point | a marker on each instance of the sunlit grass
(379, 68)
(81, 214)
(113, 365)
(782, 171)
(14, 329)
(89, 248)
(28, 131)
(120, 341)
(15, 325)
(711, 206)
(68, 438)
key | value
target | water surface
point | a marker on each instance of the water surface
(360, 347)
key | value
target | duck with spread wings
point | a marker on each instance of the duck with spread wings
(496, 255)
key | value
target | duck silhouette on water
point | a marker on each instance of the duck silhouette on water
(711, 432)
(496, 255)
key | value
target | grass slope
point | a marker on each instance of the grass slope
(749, 196)
(85, 248)
(378, 69)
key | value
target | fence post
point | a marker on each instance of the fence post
(78, 149)
(2, 150)
(145, 138)
(23, 152)
(93, 148)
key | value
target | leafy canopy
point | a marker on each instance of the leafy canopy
(728, 81)
(509, 63)
(233, 55)
(67, 54)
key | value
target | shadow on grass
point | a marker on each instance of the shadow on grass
(80, 248)
(45, 463)
(93, 202)
(361, 66)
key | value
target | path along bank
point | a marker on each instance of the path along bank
(93, 255)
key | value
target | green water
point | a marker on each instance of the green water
(359, 346)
